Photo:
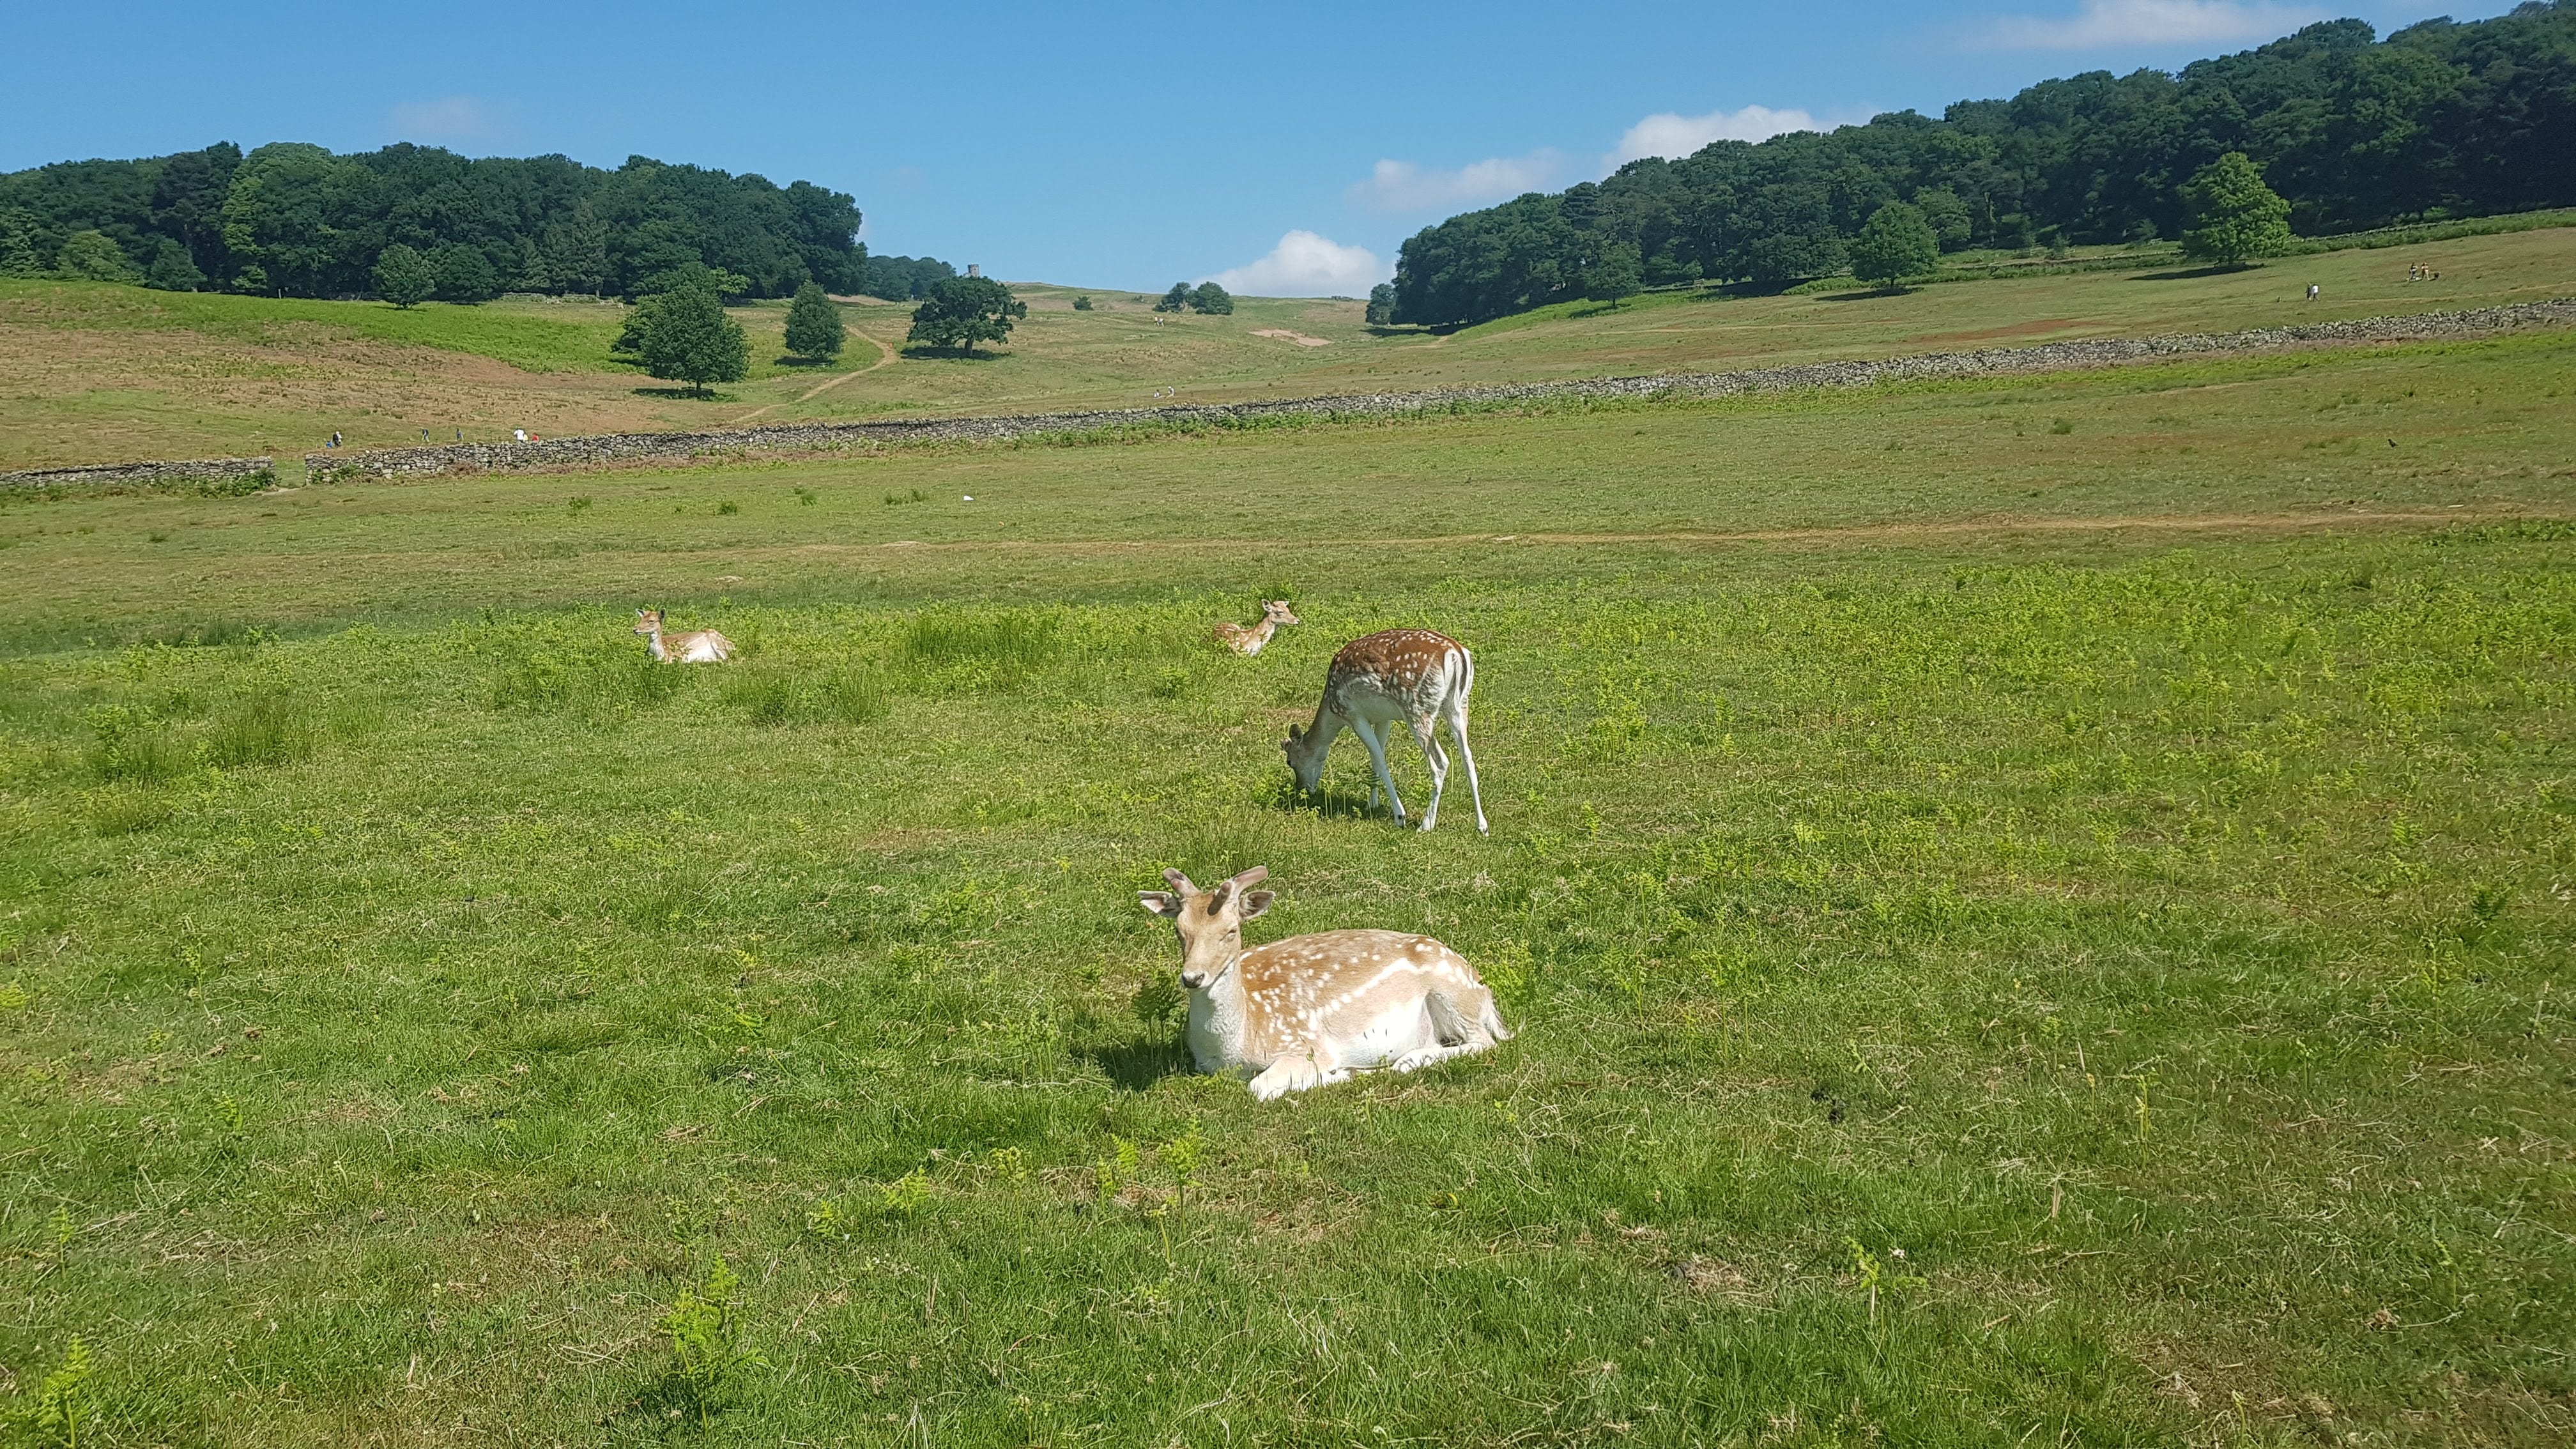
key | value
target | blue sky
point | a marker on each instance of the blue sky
(1285, 150)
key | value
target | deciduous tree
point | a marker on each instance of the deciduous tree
(683, 335)
(963, 311)
(2235, 217)
(94, 256)
(1896, 243)
(1211, 298)
(403, 276)
(1614, 274)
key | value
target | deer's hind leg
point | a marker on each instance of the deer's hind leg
(1467, 756)
(1453, 1033)
(1426, 733)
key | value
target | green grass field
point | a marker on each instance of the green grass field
(2036, 911)
(99, 373)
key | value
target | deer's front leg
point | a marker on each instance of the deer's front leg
(1375, 738)
(1303, 1073)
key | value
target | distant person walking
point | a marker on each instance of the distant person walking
(335, 440)
(2312, 291)
(521, 434)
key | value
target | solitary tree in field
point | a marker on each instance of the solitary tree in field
(1381, 305)
(814, 325)
(963, 311)
(1896, 242)
(1211, 298)
(403, 276)
(1616, 274)
(2234, 216)
(683, 335)
(1082, 304)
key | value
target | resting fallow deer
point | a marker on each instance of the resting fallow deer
(1309, 1011)
(1274, 612)
(698, 646)
(1411, 677)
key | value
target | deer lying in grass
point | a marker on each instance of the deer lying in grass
(698, 646)
(1309, 1011)
(1411, 677)
(1274, 612)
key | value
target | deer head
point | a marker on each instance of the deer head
(1209, 923)
(648, 621)
(1278, 612)
(1306, 748)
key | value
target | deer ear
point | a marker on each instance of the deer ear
(1252, 877)
(1160, 903)
(1255, 902)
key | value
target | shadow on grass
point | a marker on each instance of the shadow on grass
(1866, 294)
(2186, 274)
(1135, 1066)
(668, 1408)
(685, 394)
(801, 363)
(923, 352)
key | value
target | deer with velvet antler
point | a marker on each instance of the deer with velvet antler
(1309, 1011)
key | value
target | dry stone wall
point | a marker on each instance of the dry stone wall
(221, 472)
(822, 437)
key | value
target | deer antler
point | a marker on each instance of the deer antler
(1179, 882)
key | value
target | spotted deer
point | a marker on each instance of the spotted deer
(1248, 641)
(1411, 677)
(698, 646)
(1309, 1011)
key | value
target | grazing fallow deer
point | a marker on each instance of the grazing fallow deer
(1274, 612)
(1411, 677)
(698, 646)
(1309, 1011)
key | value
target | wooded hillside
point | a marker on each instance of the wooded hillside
(296, 220)
(2440, 119)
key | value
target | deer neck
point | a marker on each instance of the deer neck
(653, 646)
(1259, 634)
(1218, 1020)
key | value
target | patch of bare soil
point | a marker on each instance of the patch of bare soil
(80, 395)
(1284, 335)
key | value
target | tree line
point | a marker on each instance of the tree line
(297, 220)
(2440, 119)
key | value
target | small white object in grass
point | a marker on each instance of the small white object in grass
(969, 498)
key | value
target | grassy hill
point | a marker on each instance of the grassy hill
(102, 373)
(2034, 908)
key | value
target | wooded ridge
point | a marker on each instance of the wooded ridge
(2438, 120)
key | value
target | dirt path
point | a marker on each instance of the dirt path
(885, 357)
(2246, 523)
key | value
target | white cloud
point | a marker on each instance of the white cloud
(1674, 136)
(1403, 186)
(1307, 265)
(455, 118)
(2108, 24)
